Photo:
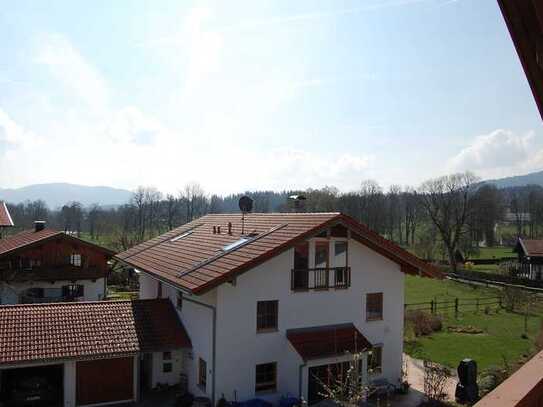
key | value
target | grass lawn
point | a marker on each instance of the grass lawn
(494, 253)
(502, 330)
(419, 289)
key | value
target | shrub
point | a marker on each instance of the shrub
(435, 380)
(423, 323)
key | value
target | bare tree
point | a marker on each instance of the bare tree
(448, 201)
(194, 200)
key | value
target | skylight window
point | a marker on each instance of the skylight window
(181, 236)
(235, 244)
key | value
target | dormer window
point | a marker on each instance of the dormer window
(75, 260)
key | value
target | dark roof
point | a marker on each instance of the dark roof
(532, 248)
(327, 341)
(524, 19)
(30, 237)
(78, 330)
(191, 256)
(5, 217)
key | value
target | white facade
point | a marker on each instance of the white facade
(239, 348)
(94, 290)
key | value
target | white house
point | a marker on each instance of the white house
(46, 265)
(271, 301)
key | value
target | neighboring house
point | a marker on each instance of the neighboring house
(274, 301)
(5, 218)
(88, 353)
(530, 256)
(45, 265)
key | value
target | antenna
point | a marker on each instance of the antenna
(245, 206)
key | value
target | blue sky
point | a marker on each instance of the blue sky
(260, 95)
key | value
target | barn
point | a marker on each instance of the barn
(89, 353)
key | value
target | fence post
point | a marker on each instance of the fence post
(432, 307)
(456, 307)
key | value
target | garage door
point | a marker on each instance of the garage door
(105, 380)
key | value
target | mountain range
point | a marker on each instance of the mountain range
(58, 194)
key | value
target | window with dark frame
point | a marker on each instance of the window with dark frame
(322, 262)
(266, 377)
(75, 259)
(340, 263)
(301, 267)
(167, 368)
(375, 360)
(73, 290)
(166, 355)
(374, 306)
(202, 373)
(267, 313)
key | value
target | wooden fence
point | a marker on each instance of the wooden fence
(455, 305)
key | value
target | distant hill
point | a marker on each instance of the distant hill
(57, 194)
(534, 178)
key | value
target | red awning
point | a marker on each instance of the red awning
(327, 341)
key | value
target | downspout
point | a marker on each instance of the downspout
(301, 380)
(214, 343)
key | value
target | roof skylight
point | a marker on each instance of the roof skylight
(235, 244)
(181, 236)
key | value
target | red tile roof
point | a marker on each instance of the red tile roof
(43, 332)
(5, 217)
(30, 237)
(533, 248)
(327, 341)
(196, 261)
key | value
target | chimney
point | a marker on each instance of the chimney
(218, 230)
(39, 225)
(214, 230)
(229, 228)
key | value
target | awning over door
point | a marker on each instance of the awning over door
(327, 341)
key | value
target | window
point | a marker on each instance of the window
(340, 263)
(202, 374)
(266, 315)
(166, 367)
(375, 359)
(73, 291)
(374, 306)
(266, 377)
(75, 260)
(321, 254)
(166, 355)
(179, 300)
(300, 274)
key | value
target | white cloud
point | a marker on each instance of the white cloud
(499, 153)
(71, 69)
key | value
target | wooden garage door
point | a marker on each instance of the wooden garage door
(105, 380)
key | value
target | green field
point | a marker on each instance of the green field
(494, 253)
(502, 330)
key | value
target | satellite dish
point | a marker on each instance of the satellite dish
(245, 204)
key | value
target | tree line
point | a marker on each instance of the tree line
(437, 219)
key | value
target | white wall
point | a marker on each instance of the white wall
(169, 378)
(239, 346)
(93, 291)
(198, 322)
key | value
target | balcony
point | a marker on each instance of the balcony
(320, 278)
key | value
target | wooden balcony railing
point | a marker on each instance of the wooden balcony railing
(320, 278)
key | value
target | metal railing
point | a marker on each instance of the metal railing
(321, 278)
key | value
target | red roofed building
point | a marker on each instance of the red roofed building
(88, 353)
(5, 218)
(272, 301)
(45, 265)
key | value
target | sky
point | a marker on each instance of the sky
(239, 95)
